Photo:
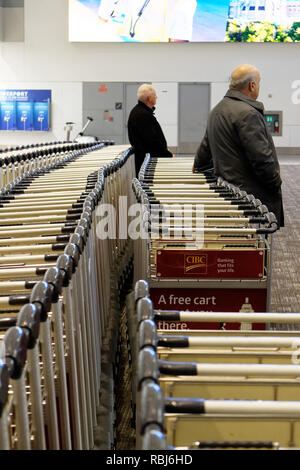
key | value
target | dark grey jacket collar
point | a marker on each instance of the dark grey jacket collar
(151, 110)
(237, 95)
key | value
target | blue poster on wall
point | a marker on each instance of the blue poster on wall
(8, 115)
(25, 116)
(25, 110)
(40, 116)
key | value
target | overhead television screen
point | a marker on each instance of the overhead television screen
(184, 21)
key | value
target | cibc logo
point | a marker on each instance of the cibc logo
(195, 263)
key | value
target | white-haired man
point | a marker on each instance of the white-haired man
(144, 131)
(238, 144)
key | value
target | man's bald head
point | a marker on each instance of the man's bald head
(245, 78)
(242, 75)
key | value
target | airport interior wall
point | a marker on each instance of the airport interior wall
(46, 59)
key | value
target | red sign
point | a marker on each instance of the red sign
(209, 300)
(211, 264)
(102, 88)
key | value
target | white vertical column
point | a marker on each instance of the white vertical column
(167, 110)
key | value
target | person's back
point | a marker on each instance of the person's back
(134, 134)
(239, 137)
(240, 148)
(144, 132)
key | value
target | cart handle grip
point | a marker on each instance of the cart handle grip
(267, 230)
(177, 368)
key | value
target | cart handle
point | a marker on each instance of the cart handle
(4, 378)
(16, 344)
(266, 231)
(273, 224)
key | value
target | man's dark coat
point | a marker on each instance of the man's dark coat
(240, 148)
(145, 134)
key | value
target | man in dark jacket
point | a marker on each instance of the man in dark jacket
(238, 144)
(144, 131)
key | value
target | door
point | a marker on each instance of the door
(103, 102)
(194, 104)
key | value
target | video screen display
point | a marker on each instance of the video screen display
(25, 110)
(41, 116)
(184, 21)
(8, 116)
(25, 116)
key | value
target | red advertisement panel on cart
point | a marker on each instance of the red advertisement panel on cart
(229, 264)
(209, 300)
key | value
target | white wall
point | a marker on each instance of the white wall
(47, 56)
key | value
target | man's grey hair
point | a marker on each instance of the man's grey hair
(242, 82)
(144, 91)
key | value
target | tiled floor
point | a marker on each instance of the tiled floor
(286, 253)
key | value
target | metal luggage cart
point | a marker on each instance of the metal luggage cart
(19, 162)
(64, 253)
(213, 349)
(142, 309)
(209, 244)
(25, 415)
(214, 322)
(186, 419)
(219, 423)
(221, 367)
(243, 404)
(13, 390)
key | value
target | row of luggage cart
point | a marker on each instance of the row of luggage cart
(211, 368)
(215, 389)
(206, 245)
(18, 161)
(59, 307)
